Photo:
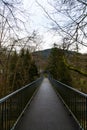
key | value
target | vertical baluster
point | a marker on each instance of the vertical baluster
(83, 112)
(82, 107)
(1, 116)
(80, 112)
(75, 112)
(5, 116)
(8, 105)
(86, 114)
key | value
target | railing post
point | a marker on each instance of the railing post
(1, 123)
(86, 113)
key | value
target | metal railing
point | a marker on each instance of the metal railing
(13, 105)
(75, 100)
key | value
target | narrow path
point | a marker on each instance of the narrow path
(46, 112)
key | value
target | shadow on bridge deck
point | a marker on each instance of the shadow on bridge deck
(46, 112)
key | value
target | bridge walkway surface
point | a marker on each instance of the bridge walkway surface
(46, 112)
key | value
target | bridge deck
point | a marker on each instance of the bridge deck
(46, 112)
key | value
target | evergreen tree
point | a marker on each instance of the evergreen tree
(33, 71)
(14, 72)
(57, 66)
(22, 69)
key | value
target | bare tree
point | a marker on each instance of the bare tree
(69, 19)
(76, 13)
(12, 22)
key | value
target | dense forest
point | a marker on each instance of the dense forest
(73, 74)
(16, 70)
(68, 67)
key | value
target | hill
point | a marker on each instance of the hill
(43, 53)
(41, 58)
(77, 60)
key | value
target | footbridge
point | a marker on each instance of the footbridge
(45, 104)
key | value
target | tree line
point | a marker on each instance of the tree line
(20, 70)
(61, 71)
(57, 67)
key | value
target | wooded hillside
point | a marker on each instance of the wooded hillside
(53, 60)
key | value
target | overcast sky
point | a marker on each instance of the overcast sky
(39, 22)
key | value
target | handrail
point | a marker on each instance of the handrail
(81, 93)
(75, 101)
(17, 91)
(14, 104)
